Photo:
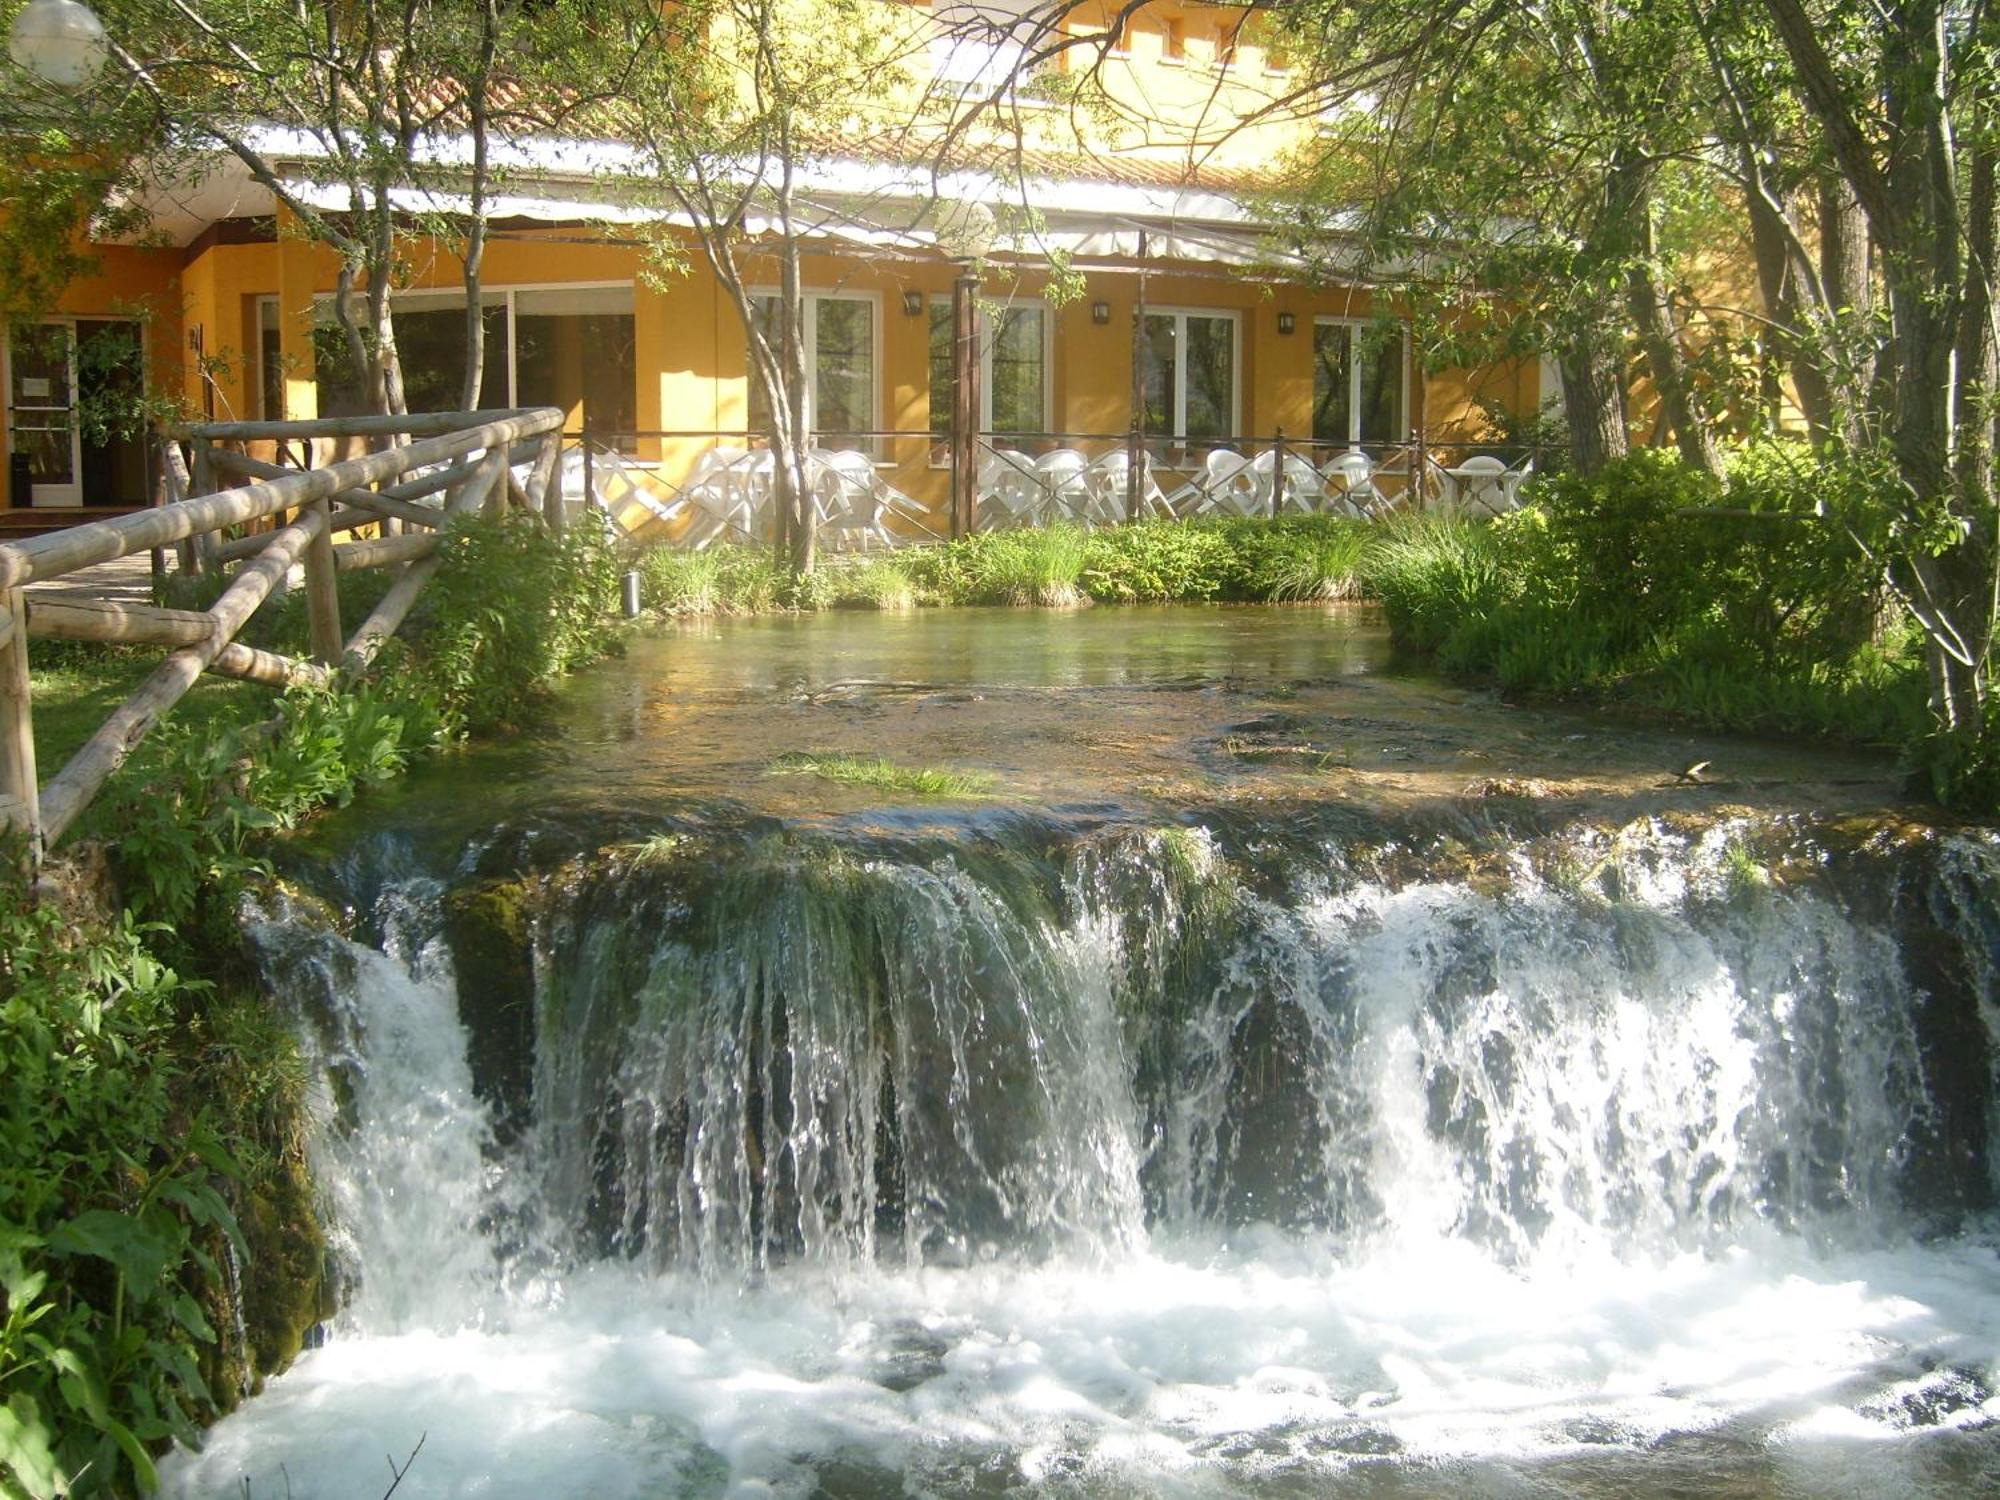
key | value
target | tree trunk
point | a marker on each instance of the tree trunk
(1661, 340)
(1796, 334)
(1849, 285)
(1594, 399)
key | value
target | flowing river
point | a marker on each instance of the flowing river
(1288, 1076)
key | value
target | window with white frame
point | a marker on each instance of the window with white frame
(1187, 366)
(1013, 369)
(572, 347)
(1359, 382)
(840, 363)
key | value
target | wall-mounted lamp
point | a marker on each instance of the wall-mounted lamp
(1100, 312)
(1287, 322)
(913, 303)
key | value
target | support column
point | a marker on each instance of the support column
(20, 797)
(965, 399)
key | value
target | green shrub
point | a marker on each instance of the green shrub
(1155, 562)
(511, 611)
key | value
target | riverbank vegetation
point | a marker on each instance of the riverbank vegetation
(1244, 560)
(151, 1179)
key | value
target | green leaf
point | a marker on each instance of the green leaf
(135, 1452)
(141, 1253)
(187, 1312)
(25, 1452)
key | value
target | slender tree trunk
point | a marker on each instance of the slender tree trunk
(1795, 336)
(1594, 399)
(478, 102)
(1660, 338)
(1849, 284)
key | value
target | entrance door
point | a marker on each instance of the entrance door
(75, 391)
(41, 413)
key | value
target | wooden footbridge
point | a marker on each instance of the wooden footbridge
(62, 585)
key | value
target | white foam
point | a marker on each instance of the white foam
(1203, 1364)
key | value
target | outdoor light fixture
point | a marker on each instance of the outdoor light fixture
(1100, 312)
(913, 303)
(1287, 322)
(59, 41)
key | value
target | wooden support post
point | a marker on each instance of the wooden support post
(965, 402)
(203, 482)
(323, 589)
(545, 482)
(18, 783)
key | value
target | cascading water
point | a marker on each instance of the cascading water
(1199, 1161)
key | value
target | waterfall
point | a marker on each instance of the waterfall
(1184, 1159)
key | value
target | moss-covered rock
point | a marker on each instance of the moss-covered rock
(490, 930)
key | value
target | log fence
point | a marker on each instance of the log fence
(458, 461)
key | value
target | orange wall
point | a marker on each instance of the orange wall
(130, 283)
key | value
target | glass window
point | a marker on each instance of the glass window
(431, 347)
(840, 365)
(1013, 369)
(575, 348)
(1188, 375)
(270, 362)
(1358, 385)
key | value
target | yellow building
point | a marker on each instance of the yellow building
(1182, 302)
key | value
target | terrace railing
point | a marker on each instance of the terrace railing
(467, 460)
(710, 485)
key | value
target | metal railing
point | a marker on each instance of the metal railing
(466, 457)
(1364, 479)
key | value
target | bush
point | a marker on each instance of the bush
(511, 611)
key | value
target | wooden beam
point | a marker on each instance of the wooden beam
(66, 796)
(545, 482)
(379, 626)
(267, 667)
(74, 619)
(322, 589)
(349, 556)
(80, 546)
(397, 501)
(18, 780)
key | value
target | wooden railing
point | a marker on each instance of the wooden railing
(466, 457)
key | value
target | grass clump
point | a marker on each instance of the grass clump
(716, 581)
(883, 774)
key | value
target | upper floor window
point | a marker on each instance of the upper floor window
(979, 65)
(840, 363)
(1187, 367)
(1359, 383)
(1013, 369)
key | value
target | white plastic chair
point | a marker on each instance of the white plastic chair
(1109, 479)
(1065, 491)
(1479, 481)
(1354, 474)
(1304, 489)
(1228, 484)
(1009, 493)
(1511, 482)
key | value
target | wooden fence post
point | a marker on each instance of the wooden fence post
(203, 482)
(17, 725)
(545, 482)
(323, 591)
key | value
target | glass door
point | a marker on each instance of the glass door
(41, 411)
